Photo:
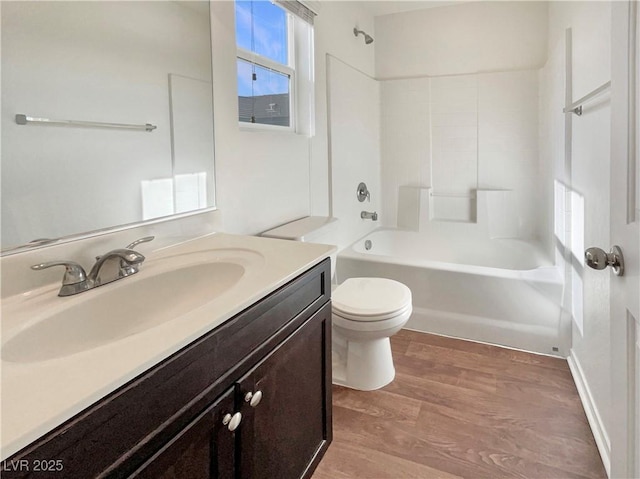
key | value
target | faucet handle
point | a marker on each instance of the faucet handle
(74, 273)
(74, 280)
(146, 239)
(362, 193)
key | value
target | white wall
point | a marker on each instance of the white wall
(585, 170)
(334, 36)
(264, 178)
(465, 38)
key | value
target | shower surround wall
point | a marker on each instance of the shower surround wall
(453, 127)
(457, 134)
(354, 140)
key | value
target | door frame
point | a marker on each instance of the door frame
(624, 307)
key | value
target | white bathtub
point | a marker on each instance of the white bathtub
(500, 291)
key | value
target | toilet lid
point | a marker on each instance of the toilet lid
(370, 299)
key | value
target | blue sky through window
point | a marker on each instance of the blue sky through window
(268, 82)
(261, 27)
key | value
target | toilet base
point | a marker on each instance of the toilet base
(363, 365)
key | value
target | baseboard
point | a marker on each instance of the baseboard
(590, 409)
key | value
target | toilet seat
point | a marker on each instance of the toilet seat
(371, 319)
(371, 299)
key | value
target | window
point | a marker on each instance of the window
(274, 64)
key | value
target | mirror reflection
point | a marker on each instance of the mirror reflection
(126, 87)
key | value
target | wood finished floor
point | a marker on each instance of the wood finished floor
(458, 409)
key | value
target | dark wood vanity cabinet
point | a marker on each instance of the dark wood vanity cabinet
(281, 435)
(204, 449)
(270, 367)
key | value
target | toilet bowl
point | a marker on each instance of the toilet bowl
(366, 312)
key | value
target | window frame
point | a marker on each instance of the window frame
(289, 70)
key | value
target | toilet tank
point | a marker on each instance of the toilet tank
(310, 229)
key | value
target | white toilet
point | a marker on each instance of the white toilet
(366, 312)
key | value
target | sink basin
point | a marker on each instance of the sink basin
(162, 292)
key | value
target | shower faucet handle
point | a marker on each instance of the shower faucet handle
(362, 192)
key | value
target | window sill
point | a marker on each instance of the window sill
(265, 128)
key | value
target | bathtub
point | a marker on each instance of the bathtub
(499, 291)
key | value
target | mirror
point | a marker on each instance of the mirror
(127, 90)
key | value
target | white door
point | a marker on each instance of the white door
(625, 220)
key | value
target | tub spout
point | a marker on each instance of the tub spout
(366, 215)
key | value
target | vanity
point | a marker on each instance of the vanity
(235, 385)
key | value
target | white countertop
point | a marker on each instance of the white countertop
(38, 396)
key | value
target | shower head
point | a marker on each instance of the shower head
(367, 38)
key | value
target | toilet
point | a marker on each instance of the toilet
(366, 312)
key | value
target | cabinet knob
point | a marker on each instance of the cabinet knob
(232, 422)
(253, 398)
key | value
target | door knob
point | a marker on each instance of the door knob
(253, 398)
(597, 258)
(232, 422)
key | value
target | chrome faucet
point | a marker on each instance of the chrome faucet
(366, 215)
(112, 266)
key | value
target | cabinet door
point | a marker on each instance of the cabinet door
(286, 433)
(204, 449)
